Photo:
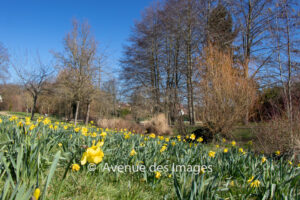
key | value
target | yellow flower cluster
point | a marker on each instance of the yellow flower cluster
(13, 118)
(193, 137)
(133, 152)
(200, 139)
(163, 148)
(157, 175)
(46, 121)
(75, 167)
(127, 135)
(93, 154)
(233, 143)
(211, 154)
(254, 183)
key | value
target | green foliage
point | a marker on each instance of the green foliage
(123, 112)
(41, 154)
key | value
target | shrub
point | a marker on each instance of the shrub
(158, 125)
(278, 134)
(226, 95)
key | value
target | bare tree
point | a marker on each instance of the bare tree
(252, 17)
(34, 76)
(79, 64)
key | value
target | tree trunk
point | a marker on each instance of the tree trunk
(88, 113)
(33, 106)
(77, 110)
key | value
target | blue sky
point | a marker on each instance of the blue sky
(40, 25)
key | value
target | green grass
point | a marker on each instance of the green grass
(33, 155)
(89, 185)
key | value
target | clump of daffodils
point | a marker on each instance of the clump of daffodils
(47, 121)
(163, 148)
(253, 183)
(211, 154)
(193, 137)
(12, 118)
(93, 154)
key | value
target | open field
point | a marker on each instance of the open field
(67, 162)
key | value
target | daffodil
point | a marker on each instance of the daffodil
(126, 135)
(263, 159)
(211, 154)
(200, 139)
(133, 152)
(225, 150)
(20, 124)
(103, 134)
(202, 170)
(277, 153)
(253, 183)
(173, 143)
(75, 167)
(142, 144)
(32, 127)
(84, 131)
(241, 150)
(37, 193)
(93, 154)
(157, 175)
(250, 179)
(163, 148)
(77, 129)
(12, 118)
(152, 135)
(60, 144)
(233, 143)
(46, 121)
(193, 137)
